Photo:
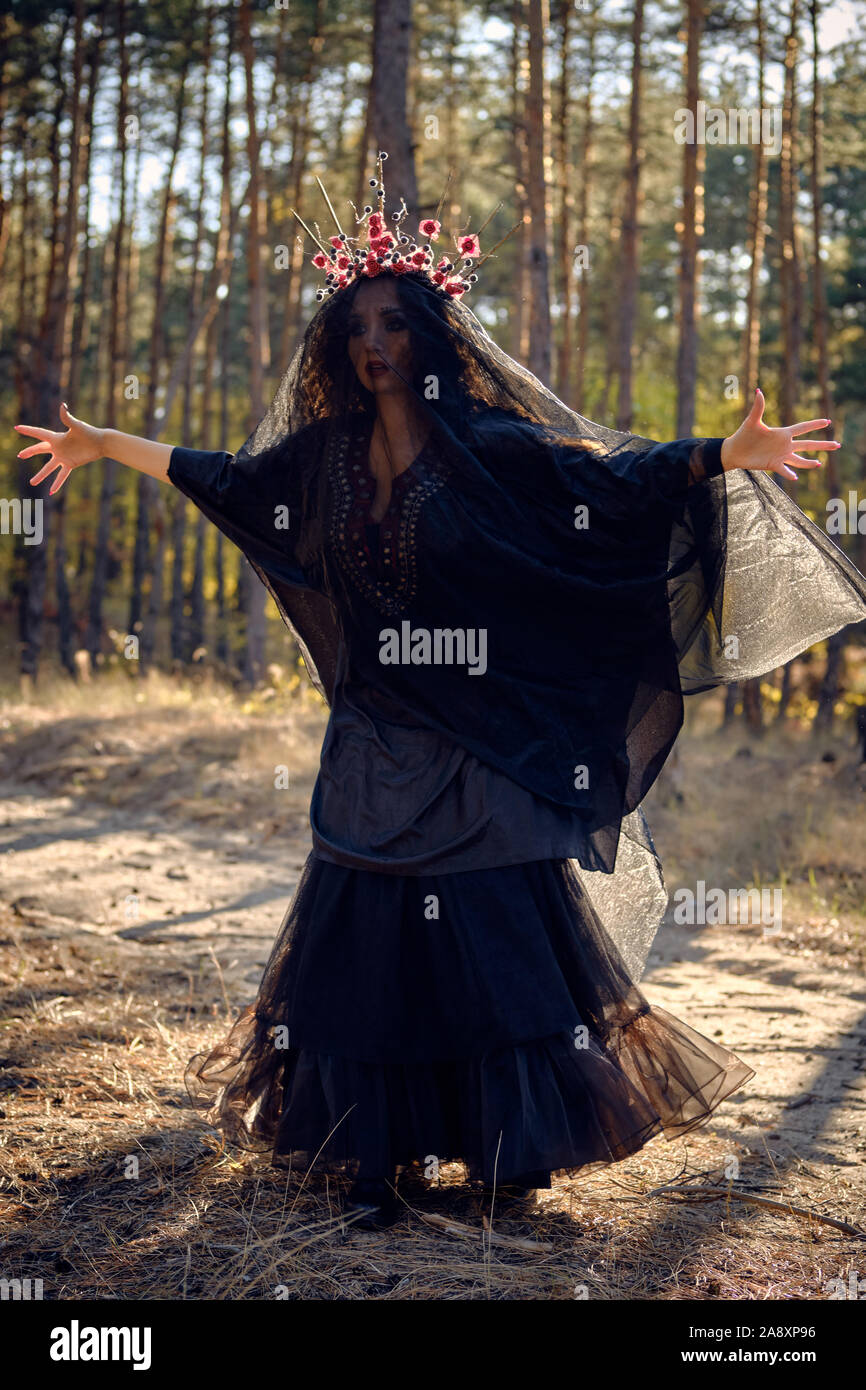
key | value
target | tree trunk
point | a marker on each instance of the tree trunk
(453, 198)
(756, 236)
(584, 283)
(151, 498)
(630, 233)
(78, 148)
(5, 21)
(790, 275)
(388, 101)
(752, 710)
(297, 168)
(519, 79)
(255, 594)
(691, 231)
(43, 379)
(180, 636)
(538, 146)
(831, 684)
(565, 177)
(731, 693)
(117, 355)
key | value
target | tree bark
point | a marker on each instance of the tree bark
(831, 684)
(297, 168)
(180, 636)
(584, 282)
(630, 245)
(520, 317)
(255, 594)
(791, 282)
(391, 128)
(43, 371)
(756, 234)
(691, 232)
(565, 177)
(151, 501)
(538, 183)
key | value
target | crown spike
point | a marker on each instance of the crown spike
(309, 233)
(441, 202)
(499, 243)
(347, 258)
(489, 218)
(330, 207)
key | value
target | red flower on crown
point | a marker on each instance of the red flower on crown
(376, 248)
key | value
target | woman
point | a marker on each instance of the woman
(503, 603)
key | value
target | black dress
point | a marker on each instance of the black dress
(441, 987)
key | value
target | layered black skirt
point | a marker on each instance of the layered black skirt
(483, 1017)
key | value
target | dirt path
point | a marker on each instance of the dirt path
(801, 1025)
(93, 895)
(131, 875)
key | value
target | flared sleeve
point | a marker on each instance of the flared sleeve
(256, 501)
(751, 581)
(652, 481)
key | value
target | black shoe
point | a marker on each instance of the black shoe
(371, 1205)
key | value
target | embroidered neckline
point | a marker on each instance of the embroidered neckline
(392, 588)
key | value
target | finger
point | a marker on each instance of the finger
(818, 444)
(33, 430)
(804, 462)
(43, 473)
(59, 481)
(43, 447)
(785, 472)
(757, 410)
(809, 425)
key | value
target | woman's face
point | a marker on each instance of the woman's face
(379, 337)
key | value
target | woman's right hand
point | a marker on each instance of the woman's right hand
(80, 443)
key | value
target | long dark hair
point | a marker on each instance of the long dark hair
(438, 352)
(470, 399)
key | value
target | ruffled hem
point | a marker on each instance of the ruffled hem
(504, 1033)
(558, 1104)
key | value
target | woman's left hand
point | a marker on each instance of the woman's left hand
(772, 450)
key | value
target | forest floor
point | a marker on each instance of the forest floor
(148, 859)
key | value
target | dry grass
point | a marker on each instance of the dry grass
(112, 1187)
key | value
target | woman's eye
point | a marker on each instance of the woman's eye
(355, 329)
(396, 325)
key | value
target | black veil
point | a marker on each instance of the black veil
(749, 580)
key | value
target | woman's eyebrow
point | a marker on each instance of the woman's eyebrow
(384, 309)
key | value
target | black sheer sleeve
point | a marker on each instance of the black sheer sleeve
(255, 502)
(705, 461)
(655, 479)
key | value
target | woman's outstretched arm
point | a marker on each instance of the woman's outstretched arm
(81, 443)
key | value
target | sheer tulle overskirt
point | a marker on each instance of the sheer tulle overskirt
(482, 1017)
